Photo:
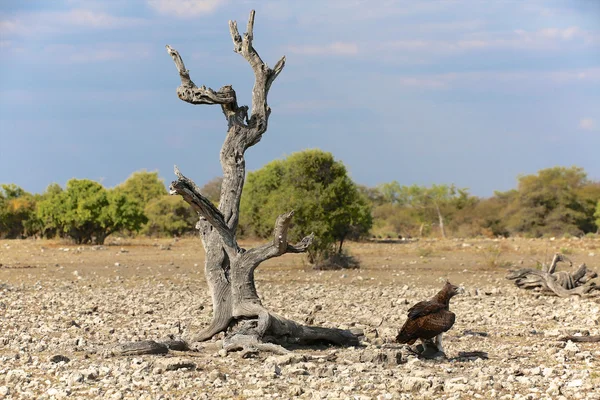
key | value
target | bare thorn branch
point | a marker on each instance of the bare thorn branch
(184, 74)
(281, 230)
(191, 194)
(302, 245)
(235, 36)
(190, 93)
(250, 27)
(279, 66)
(178, 172)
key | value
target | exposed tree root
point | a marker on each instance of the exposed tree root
(272, 333)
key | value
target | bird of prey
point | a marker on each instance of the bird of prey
(430, 319)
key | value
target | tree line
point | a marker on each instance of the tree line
(556, 201)
(87, 212)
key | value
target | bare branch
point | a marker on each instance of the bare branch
(183, 73)
(264, 76)
(250, 27)
(561, 283)
(190, 93)
(555, 260)
(279, 245)
(204, 95)
(302, 245)
(191, 194)
(281, 230)
(274, 73)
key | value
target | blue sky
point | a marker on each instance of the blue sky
(466, 92)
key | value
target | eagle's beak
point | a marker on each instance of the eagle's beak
(461, 290)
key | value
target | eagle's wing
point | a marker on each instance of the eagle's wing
(437, 322)
(423, 308)
(426, 326)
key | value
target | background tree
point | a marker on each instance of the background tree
(48, 212)
(321, 193)
(481, 217)
(87, 213)
(212, 189)
(551, 203)
(588, 196)
(169, 216)
(431, 202)
(143, 186)
(17, 212)
(229, 269)
(597, 215)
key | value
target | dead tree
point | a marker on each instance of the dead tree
(229, 269)
(559, 283)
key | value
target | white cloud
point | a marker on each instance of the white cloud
(543, 39)
(186, 8)
(587, 124)
(550, 38)
(335, 48)
(520, 80)
(69, 54)
(49, 22)
(310, 106)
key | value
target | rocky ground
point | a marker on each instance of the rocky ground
(63, 306)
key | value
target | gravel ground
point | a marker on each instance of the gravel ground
(61, 309)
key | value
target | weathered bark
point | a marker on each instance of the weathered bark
(229, 269)
(560, 283)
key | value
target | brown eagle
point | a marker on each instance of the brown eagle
(430, 319)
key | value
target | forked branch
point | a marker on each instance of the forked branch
(184, 74)
(279, 245)
(264, 76)
(560, 283)
(190, 93)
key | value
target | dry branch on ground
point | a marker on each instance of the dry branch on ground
(559, 283)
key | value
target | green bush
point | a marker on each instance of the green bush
(17, 212)
(87, 213)
(169, 216)
(318, 189)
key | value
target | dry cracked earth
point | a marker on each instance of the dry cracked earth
(62, 306)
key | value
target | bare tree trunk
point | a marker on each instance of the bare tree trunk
(229, 269)
(441, 220)
(341, 244)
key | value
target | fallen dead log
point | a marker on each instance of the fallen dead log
(580, 339)
(559, 283)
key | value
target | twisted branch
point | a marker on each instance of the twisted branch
(203, 206)
(279, 245)
(561, 283)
